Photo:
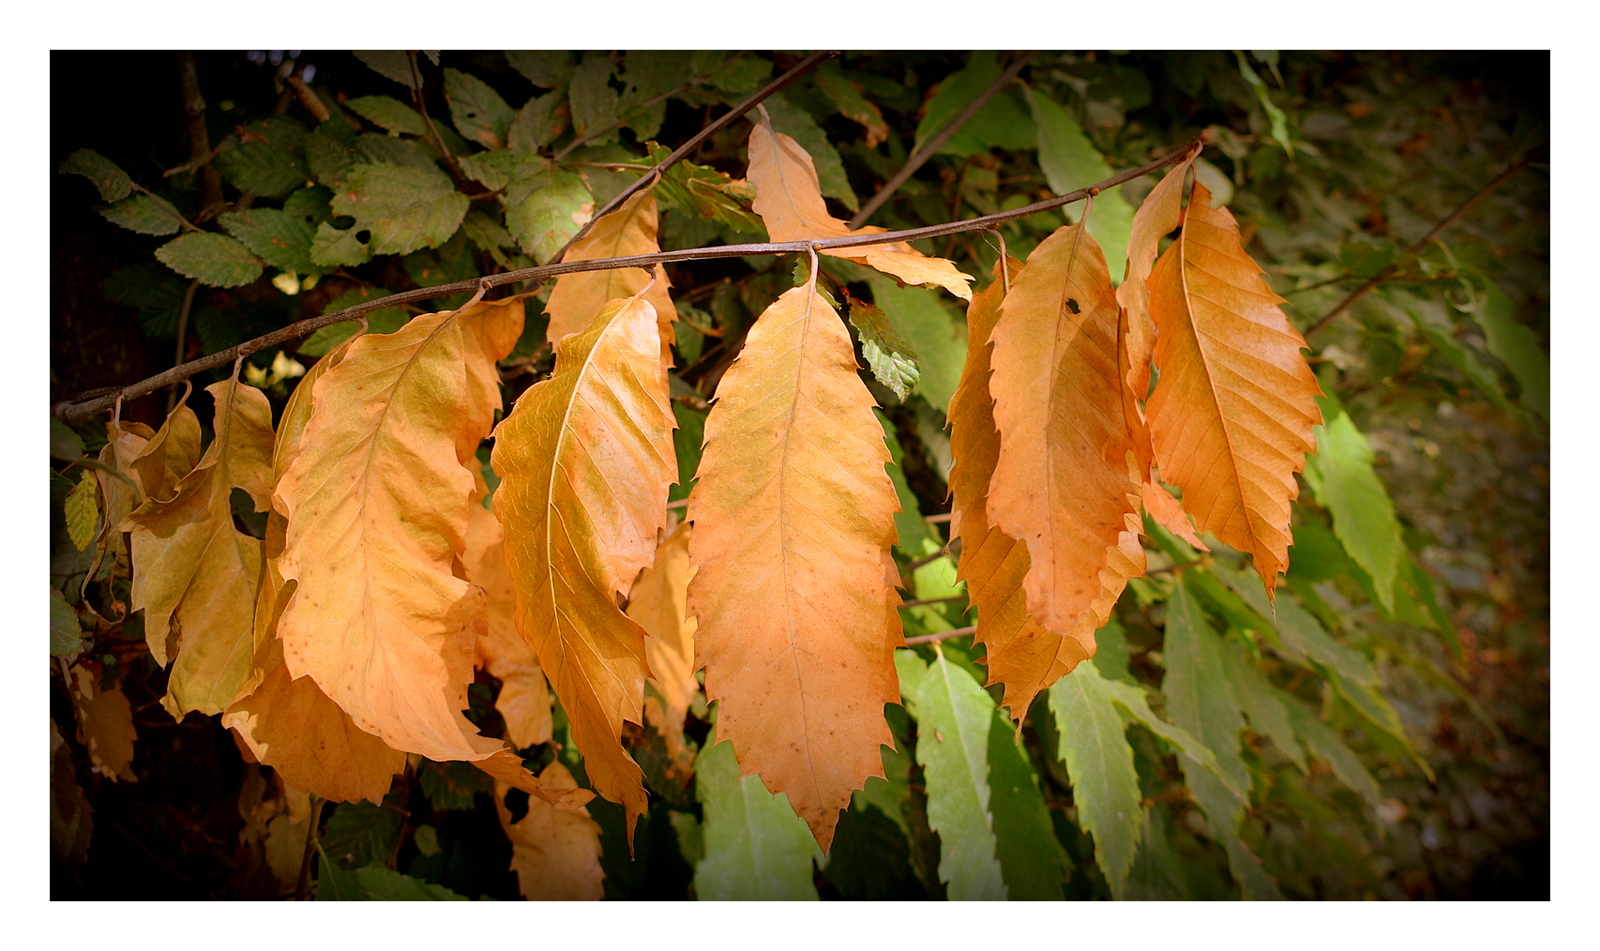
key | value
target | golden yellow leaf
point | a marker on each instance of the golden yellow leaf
(1021, 654)
(195, 575)
(1232, 412)
(291, 725)
(657, 603)
(124, 443)
(1066, 478)
(627, 231)
(793, 519)
(789, 201)
(524, 699)
(105, 722)
(1157, 217)
(585, 460)
(555, 852)
(376, 502)
(168, 456)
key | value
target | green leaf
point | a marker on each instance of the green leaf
(313, 203)
(1263, 704)
(756, 848)
(1031, 859)
(1002, 123)
(261, 168)
(378, 883)
(538, 123)
(1070, 161)
(212, 259)
(1157, 873)
(66, 636)
(332, 247)
(145, 214)
(871, 858)
(649, 75)
(920, 318)
(1518, 348)
(82, 510)
(360, 833)
(547, 68)
(453, 786)
(1324, 742)
(386, 320)
(404, 208)
(740, 74)
(280, 238)
(893, 362)
(390, 64)
(390, 113)
(1094, 748)
(687, 440)
(953, 715)
(477, 110)
(330, 151)
(64, 443)
(1280, 122)
(798, 124)
(1434, 321)
(706, 193)
(1340, 474)
(111, 181)
(1299, 637)
(1199, 698)
(594, 103)
(910, 529)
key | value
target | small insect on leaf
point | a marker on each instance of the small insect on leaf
(1072, 305)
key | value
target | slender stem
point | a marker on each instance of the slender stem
(941, 636)
(922, 601)
(1427, 239)
(932, 145)
(416, 100)
(194, 110)
(78, 412)
(183, 332)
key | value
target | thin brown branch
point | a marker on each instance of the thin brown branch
(308, 98)
(937, 517)
(941, 636)
(183, 333)
(78, 412)
(416, 100)
(194, 111)
(922, 601)
(1427, 239)
(919, 157)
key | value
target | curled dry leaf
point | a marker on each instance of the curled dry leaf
(627, 231)
(1021, 654)
(586, 459)
(555, 852)
(1232, 412)
(1157, 217)
(657, 602)
(793, 520)
(1066, 479)
(105, 722)
(197, 574)
(376, 503)
(789, 201)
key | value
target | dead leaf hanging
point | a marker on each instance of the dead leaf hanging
(657, 602)
(586, 459)
(1232, 412)
(555, 852)
(793, 520)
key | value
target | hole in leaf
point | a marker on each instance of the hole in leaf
(364, 236)
(516, 804)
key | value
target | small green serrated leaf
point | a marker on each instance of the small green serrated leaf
(756, 848)
(66, 636)
(547, 68)
(360, 833)
(953, 715)
(594, 103)
(1094, 748)
(64, 443)
(1070, 161)
(1031, 859)
(919, 317)
(390, 64)
(261, 168)
(82, 509)
(1262, 703)
(1324, 742)
(212, 259)
(280, 238)
(893, 362)
(1341, 476)
(1280, 122)
(539, 122)
(1002, 123)
(403, 208)
(1518, 348)
(313, 203)
(111, 181)
(390, 113)
(380, 883)
(145, 214)
(1434, 321)
(477, 110)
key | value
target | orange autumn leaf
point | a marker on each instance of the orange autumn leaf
(376, 505)
(524, 700)
(1066, 477)
(1157, 217)
(1020, 653)
(789, 201)
(196, 574)
(1232, 412)
(105, 722)
(555, 852)
(292, 725)
(657, 602)
(1168, 512)
(793, 519)
(627, 231)
(586, 459)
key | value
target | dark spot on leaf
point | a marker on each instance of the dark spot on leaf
(364, 236)
(1072, 305)
(516, 804)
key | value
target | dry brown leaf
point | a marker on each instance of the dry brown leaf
(1020, 653)
(195, 574)
(1066, 477)
(657, 602)
(793, 519)
(291, 725)
(555, 852)
(170, 454)
(105, 722)
(124, 443)
(627, 231)
(1157, 217)
(789, 201)
(585, 460)
(524, 700)
(1232, 412)
(376, 503)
